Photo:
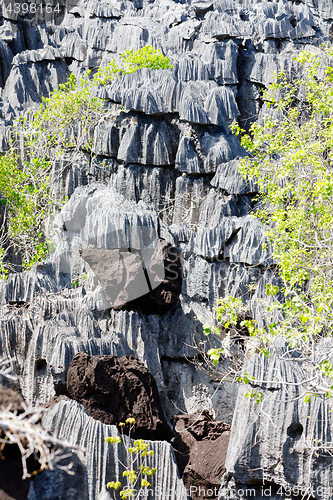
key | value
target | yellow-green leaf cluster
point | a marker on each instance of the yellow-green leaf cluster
(136, 470)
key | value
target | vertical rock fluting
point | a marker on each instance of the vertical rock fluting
(69, 420)
(164, 159)
(282, 442)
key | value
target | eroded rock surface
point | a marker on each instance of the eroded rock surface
(163, 158)
(273, 442)
(70, 421)
(112, 389)
(201, 443)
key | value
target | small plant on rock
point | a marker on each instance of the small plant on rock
(68, 117)
(136, 471)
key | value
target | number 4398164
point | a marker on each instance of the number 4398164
(31, 8)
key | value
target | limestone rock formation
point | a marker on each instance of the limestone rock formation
(70, 421)
(278, 445)
(162, 161)
(49, 485)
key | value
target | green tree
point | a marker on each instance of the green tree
(68, 117)
(24, 192)
(65, 121)
(291, 158)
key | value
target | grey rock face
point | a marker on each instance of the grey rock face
(68, 420)
(188, 92)
(162, 158)
(6, 59)
(27, 83)
(219, 149)
(220, 59)
(44, 340)
(153, 185)
(61, 322)
(154, 92)
(248, 245)
(106, 139)
(275, 445)
(229, 179)
(147, 143)
(189, 195)
(52, 345)
(69, 172)
(99, 217)
(204, 152)
(325, 8)
(58, 485)
(217, 205)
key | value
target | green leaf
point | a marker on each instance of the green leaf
(207, 329)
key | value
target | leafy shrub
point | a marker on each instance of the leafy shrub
(66, 119)
(291, 160)
(25, 193)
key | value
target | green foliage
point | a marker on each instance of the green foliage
(136, 470)
(291, 159)
(245, 379)
(257, 396)
(106, 75)
(3, 268)
(68, 116)
(147, 57)
(65, 120)
(25, 192)
(79, 282)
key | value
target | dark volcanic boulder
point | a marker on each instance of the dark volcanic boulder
(164, 290)
(113, 388)
(129, 283)
(201, 445)
(12, 486)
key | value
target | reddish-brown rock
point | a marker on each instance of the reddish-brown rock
(11, 400)
(201, 443)
(129, 282)
(113, 388)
